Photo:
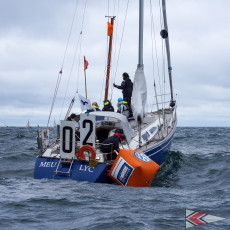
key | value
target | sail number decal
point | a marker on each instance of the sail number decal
(67, 139)
(67, 145)
(87, 129)
(89, 132)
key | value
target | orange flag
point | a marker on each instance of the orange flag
(85, 64)
(110, 29)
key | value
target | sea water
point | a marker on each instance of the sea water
(196, 176)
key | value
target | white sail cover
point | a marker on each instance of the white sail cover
(139, 95)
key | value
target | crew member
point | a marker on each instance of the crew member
(108, 106)
(127, 89)
(95, 106)
(76, 118)
(112, 143)
(122, 107)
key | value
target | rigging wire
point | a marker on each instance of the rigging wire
(55, 94)
(80, 47)
(115, 46)
(153, 31)
(60, 72)
(162, 51)
(120, 45)
(157, 60)
(79, 63)
(70, 74)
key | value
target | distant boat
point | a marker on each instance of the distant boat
(28, 125)
(55, 126)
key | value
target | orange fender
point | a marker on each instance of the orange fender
(133, 168)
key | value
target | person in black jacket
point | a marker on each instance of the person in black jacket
(112, 143)
(108, 106)
(127, 89)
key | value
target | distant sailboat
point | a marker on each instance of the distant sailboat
(28, 124)
(55, 126)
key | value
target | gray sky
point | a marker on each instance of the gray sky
(33, 38)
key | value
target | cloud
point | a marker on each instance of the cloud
(33, 38)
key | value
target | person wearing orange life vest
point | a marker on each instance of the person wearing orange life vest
(122, 107)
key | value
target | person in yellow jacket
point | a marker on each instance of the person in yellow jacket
(122, 107)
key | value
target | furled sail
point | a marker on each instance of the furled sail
(139, 95)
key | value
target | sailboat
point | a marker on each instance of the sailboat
(148, 136)
(28, 124)
(54, 125)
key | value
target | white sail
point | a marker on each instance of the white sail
(139, 95)
(28, 125)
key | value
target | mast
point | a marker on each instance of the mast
(140, 64)
(164, 34)
(108, 62)
(141, 30)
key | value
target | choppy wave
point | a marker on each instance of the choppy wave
(195, 176)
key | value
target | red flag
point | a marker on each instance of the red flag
(110, 29)
(85, 64)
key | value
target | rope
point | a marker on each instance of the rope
(120, 44)
(71, 27)
(70, 74)
(157, 61)
(115, 48)
(80, 46)
(70, 107)
(79, 62)
(60, 72)
(70, 69)
(55, 94)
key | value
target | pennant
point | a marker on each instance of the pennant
(85, 103)
(86, 63)
(110, 29)
(194, 218)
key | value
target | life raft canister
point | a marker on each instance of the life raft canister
(133, 168)
(91, 150)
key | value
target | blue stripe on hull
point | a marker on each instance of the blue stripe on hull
(160, 152)
(45, 167)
